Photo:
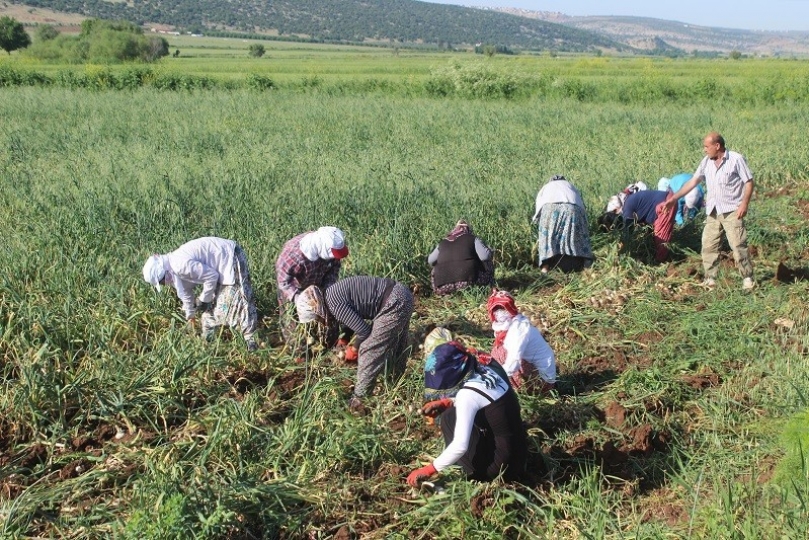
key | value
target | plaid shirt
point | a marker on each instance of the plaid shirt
(295, 272)
(725, 183)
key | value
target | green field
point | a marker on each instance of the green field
(679, 412)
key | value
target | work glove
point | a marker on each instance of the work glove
(352, 354)
(434, 408)
(516, 379)
(419, 475)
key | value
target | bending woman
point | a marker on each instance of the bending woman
(479, 415)
(564, 236)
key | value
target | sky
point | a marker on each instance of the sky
(739, 14)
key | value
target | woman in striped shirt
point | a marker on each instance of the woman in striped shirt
(381, 343)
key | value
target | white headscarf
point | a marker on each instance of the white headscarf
(310, 305)
(616, 203)
(324, 243)
(663, 184)
(155, 270)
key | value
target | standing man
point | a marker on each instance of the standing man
(730, 186)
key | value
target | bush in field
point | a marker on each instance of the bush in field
(478, 81)
(259, 82)
(46, 32)
(103, 42)
(256, 50)
(12, 35)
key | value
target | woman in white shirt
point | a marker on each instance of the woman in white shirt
(564, 236)
(518, 344)
(220, 266)
(479, 415)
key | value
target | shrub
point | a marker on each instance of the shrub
(103, 42)
(259, 82)
(256, 50)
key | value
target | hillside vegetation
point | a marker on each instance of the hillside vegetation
(639, 31)
(402, 21)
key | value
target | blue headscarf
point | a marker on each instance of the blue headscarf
(446, 370)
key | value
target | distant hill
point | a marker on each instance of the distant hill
(400, 21)
(639, 32)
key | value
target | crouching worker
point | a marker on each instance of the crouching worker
(311, 258)
(381, 344)
(519, 345)
(479, 415)
(220, 266)
(461, 260)
(649, 208)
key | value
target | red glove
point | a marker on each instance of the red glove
(434, 408)
(352, 354)
(419, 475)
(341, 343)
(484, 359)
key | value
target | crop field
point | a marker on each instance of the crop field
(679, 413)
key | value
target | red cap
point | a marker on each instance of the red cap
(340, 253)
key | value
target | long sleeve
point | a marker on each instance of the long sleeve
(467, 405)
(198, 272)
(483, 251)
(432, 258)
(185, 292)
(350, 318)
(286, 280)
(515, 343)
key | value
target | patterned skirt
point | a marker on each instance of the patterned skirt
(234, 305)
(485, 277)
(563, 231)
(386, 348)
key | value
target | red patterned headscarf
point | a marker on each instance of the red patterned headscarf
(461, 228)
(500, 300)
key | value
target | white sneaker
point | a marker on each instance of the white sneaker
(708, 283)
(748, 284)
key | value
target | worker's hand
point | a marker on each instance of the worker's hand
(203, 307)
(191, 326)
(434, 408)
(741, 211)
(352, 354)
(357, 407)
(484, 359)
(416, 477)
(516, 379)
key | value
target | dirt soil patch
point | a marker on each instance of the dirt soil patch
(784, 274)
(615, 415)
(701, 381)
(244, 380)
